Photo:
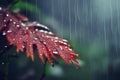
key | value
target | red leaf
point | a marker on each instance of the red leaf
(25, 35)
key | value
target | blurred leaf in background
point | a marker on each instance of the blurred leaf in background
(26, 6)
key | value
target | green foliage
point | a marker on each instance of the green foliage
(26, 6)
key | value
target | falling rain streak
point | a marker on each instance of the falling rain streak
(87, 22)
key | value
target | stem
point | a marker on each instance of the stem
(6, 65)
(6, 62)
(44, 69)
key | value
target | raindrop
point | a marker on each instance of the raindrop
(55, 52)
(0, 8)
(9, 31)
(56, 37)
(44, 42)
(45, 32)
(14, 39)
(23, 46)
(65, 40)
(27, 28)
(3, 63)
(18, 25)
(65, 43)
(35, 38)
(4, 33)
(5, 46)
(61, 47)
(7, 14)
(50, 33)
(36, 29)
(70, 49)
(10, 19)
(4, 20)
(41, 31)
(14, 22)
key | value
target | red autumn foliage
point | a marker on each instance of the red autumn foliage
(23, 35)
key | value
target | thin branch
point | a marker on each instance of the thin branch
(44, 70)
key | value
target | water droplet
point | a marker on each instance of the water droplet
(5, 46)
(23, 24)
(65, 43)
(41, 31)
(56, 40)
(38, 24)
(4, 33)
(66, 47)
(23, 46)
(0, 8)
(10, 19)
(65, 40)
(55, 52)
(27, 28)
(48, 36)
(14, 39)
(35, 38)
(18, 25)
(56, 37)
(9, 31)
(44, 42)
(14, 22)
(61, 47)
(61, 41)
(45, 32)
(50, 33)
(36, 29)
(70, 49)
(4, 20)
(7, 14)
(3, 63)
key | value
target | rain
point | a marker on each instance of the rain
(89, 22)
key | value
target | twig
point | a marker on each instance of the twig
(6, 61)
(44, 70)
